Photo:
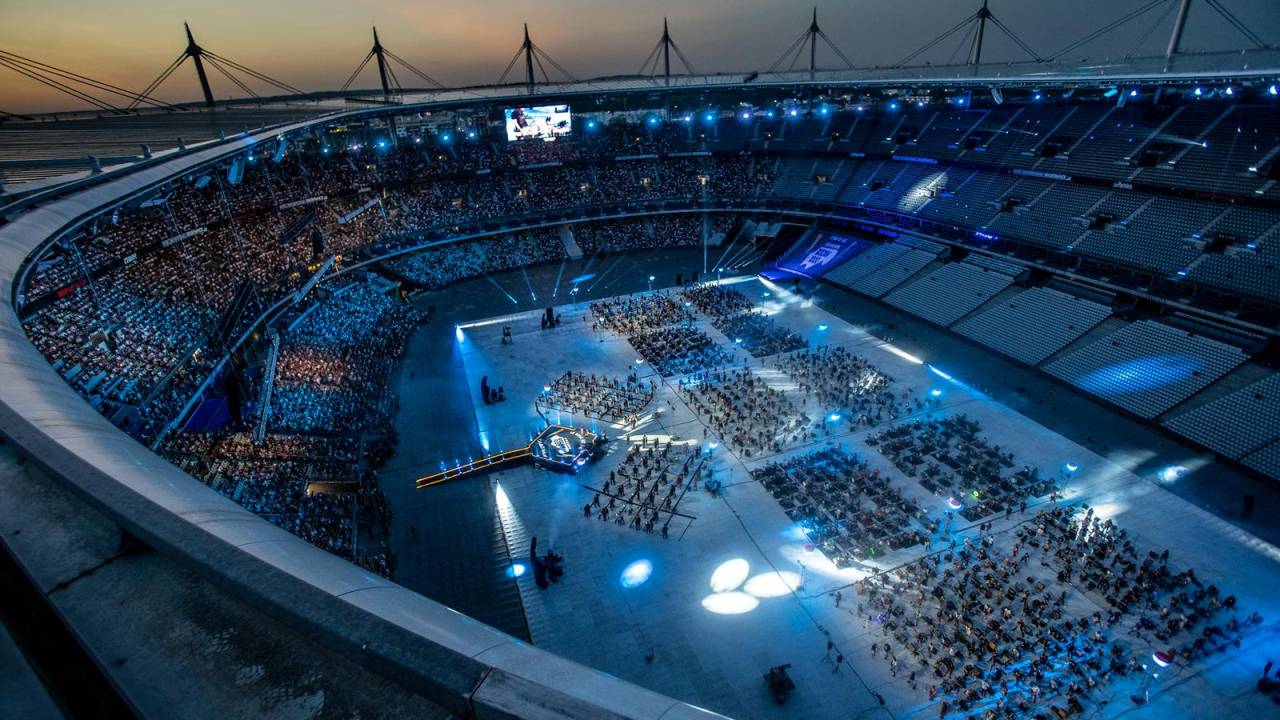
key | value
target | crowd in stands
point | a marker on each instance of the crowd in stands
(338, 361)
(951, 458)
(612, 399)
(1046, 624)
(316, 487)
(647, 485)
(328, 427)
(439, 267)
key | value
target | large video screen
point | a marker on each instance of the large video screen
(545, 122)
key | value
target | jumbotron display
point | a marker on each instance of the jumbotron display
(545, 122)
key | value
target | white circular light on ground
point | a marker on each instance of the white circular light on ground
(772, 584)
(729, 576)
(636, 574)
(729, 603)
(516, 570)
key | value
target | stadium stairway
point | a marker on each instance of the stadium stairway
(570, 245)
(1246, 374)
(992, 301)
(1101, 330)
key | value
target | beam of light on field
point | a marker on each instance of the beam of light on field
(901, 353)
(730, 603)
(730, 575)
(772, 584)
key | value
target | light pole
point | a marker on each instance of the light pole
(651, 278)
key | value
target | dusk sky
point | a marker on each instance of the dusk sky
(315, 44)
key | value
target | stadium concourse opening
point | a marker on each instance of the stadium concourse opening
(805, 393)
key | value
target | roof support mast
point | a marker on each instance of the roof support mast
(814, 31)
(975, 58)
(382, 66)
(196, 53)
(1175, 39)
(528, 59)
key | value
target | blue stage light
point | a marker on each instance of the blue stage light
(935, 392)
(1230, 90)
(1273, 90)
(636, 574)
(823, 110)
(445, 137)
(793, 112)
(709, 117)
(591, 124)
(1072, 467)
(1199, 92)
(515, 570)
(822, 327)
(834, 417)
(769, 114)
(1037, 96)
(1133, 93)
(652, 120)
(471, 134)
(893, 105)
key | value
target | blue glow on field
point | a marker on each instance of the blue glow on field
(636, 574)
(581, 279)
(940, 373)
(515, 570)
(1072, 467)
(1139, 375)
(457, 333)
(1171, 473)
(822, 326)
(935, 392)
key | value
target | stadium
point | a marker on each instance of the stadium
(822, 390)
